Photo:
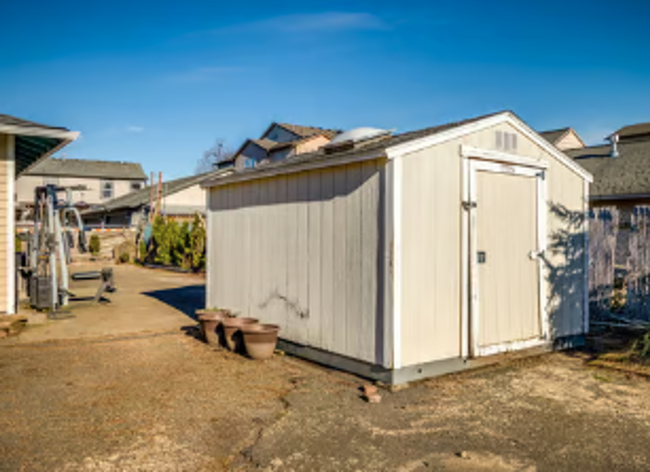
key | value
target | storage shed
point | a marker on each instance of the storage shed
(399, 257)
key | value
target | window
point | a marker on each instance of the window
(506, 141)
(107, 189)
(249, 163)
(136, 185)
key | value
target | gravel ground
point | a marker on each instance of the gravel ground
(168, 402)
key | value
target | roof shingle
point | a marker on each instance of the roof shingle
(87, 168)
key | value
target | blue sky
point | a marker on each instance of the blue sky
(158, 82)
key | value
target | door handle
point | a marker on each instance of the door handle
(532, 255)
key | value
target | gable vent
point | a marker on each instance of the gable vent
(505, 141)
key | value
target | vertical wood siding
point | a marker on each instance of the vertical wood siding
(302, 251)
(431, 246)
(4, 214)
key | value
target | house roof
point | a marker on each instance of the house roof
(14, 121)
(633, 130)
(627, 174)
(554, 135)
(377, 148)
(141, 197)
(307, 131)
(34, 141)
(88, 168)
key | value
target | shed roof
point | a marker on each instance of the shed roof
(375, 147)
(88, 168)
(627, 174)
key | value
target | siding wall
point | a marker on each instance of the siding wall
(570, 141)
(431, 246)
(26, 184)
(5, 155)
(303, 251)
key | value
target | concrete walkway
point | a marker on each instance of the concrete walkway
(147, 301)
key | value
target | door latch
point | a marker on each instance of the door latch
(469, 205)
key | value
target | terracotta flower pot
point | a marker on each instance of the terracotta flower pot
(232, 334)
(260, 340)
(209, 321)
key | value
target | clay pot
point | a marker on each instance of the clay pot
(231, 332)
(260, 340)
(209, 321)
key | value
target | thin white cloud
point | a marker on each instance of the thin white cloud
(203, 74)
(134, 129)
(313, 22)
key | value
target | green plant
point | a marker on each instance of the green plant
(142, 250)
(124, 257)
(642, 346)
(95, 245)
(197, 243)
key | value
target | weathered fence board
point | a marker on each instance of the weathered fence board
(619, 252)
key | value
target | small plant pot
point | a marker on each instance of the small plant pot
(232, 335)
(260, 340)
(209, 321)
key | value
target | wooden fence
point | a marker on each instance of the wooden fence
(619, 252)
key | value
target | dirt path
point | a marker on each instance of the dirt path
(168, 402)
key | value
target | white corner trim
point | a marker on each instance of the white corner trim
(40, 132)
(465, 252)
(11, 215)
(585, 294)
(397, 263)
(542, 238)
(498, 156)
(208, 251)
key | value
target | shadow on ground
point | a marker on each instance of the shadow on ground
(185, 299)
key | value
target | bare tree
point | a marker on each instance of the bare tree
(217, 153)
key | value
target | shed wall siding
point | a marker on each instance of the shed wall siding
(431, 246)
(302, 251)
(5, 155)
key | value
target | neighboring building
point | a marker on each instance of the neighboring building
(102, 180)
(563, 138)
(404, 256)
(278, 142)
(23, 145)
(619, 221)
(180, 199)
(621, 169)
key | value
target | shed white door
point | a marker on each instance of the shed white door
(506, 309)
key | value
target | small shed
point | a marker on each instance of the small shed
(403, 256)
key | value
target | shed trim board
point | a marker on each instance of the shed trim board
(11, 259)
(397, 263)
(437, 138)
(470, 250)
(585, 290)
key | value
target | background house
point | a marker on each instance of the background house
(102, 180)
(22, 145)
(279, 141)
(563, 138)
(404, 256)
(619, 222)
(180, 199)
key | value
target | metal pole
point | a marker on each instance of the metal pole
(63, 263)
(52, 254)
